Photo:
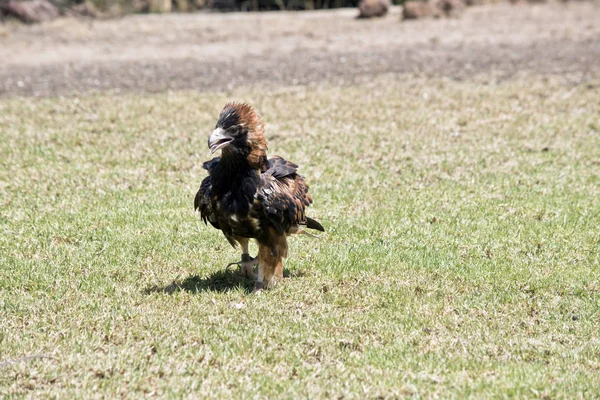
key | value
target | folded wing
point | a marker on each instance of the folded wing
(283, 196)
(202, 201)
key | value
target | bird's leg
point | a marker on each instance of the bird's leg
(278, 275)
(270, 269)
(259, 285)
(278, 261)
(264, 262)
(247, 264)
(274, 272)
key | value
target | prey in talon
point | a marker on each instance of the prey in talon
(249, 196)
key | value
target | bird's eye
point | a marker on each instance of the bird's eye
(235, 130)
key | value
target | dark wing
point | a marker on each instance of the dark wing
(284, 196)
(278, 167)
(202, 201)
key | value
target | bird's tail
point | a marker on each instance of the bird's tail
(314, 224)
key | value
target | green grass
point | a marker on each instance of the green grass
(461, 258)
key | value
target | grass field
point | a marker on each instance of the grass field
(461, 258)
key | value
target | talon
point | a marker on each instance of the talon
(274, 281)
(258, 287)
(233, 263)
(246, 265)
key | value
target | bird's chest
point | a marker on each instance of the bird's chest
(233, 197)
(237, 218)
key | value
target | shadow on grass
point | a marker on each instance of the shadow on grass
(219, 281)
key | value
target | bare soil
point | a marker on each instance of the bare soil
(220, 51)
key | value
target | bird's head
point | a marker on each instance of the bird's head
(240, 132)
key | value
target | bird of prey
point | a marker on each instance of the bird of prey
(249, 196)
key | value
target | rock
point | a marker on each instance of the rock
(419, 9)
(449, 7)
(31, 11)
(373, 8)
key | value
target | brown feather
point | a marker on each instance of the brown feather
(250, 120)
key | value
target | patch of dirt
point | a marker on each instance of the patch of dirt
(221, 51)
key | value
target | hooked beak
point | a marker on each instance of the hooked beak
(218, 139)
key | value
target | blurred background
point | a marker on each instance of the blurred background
(51, 47)
(119, 7)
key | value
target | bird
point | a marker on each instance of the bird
(249, 196)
